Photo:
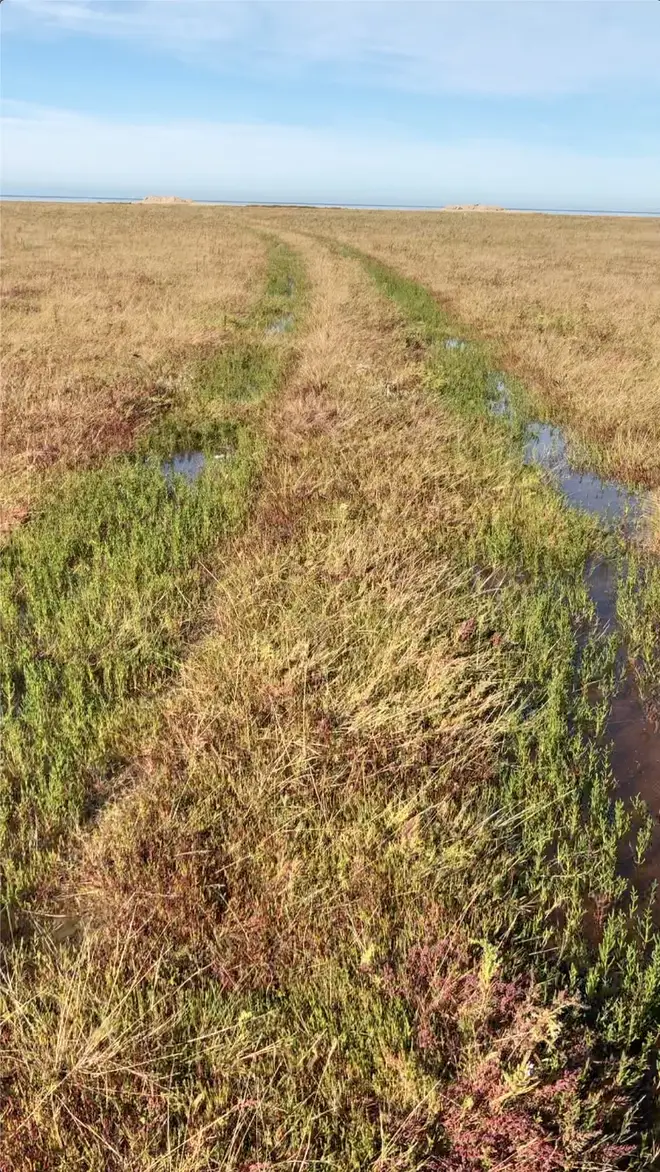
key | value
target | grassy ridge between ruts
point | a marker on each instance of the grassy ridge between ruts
(101, 590)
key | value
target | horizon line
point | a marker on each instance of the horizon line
(348, 205)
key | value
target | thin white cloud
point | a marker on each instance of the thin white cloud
(482, 47)
(59, 152)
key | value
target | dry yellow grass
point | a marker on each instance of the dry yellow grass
(102, 306)
(569, 304)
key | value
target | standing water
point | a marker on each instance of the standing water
(546, 447)
(281, 324)
(190, 465)
(633, 734)
(187, 464)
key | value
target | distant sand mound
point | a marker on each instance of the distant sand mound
(472, 207)
(165, 199)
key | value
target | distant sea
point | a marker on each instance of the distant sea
(392, 207)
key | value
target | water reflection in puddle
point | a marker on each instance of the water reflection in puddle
(281, 324)
(187, 464)
(635, 762)
(546, 447)
(499, 402)
(190, 465)
(632, 733)
(601, 579)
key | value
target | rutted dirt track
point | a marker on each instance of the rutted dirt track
(569, 304)
(315, 924)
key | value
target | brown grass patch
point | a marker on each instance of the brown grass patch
(103, 306)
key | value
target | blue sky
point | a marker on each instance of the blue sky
(529, 104)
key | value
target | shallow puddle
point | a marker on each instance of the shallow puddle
(634, 737)
(632, 733)
(601, 579)
(281, 324)
(546, 447)
(187, 464)
(635, 764)
(499, 403)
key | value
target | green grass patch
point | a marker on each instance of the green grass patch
(100, 592)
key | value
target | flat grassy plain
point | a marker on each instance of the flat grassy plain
(103, 309)
(313, 850)
(569, 304)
